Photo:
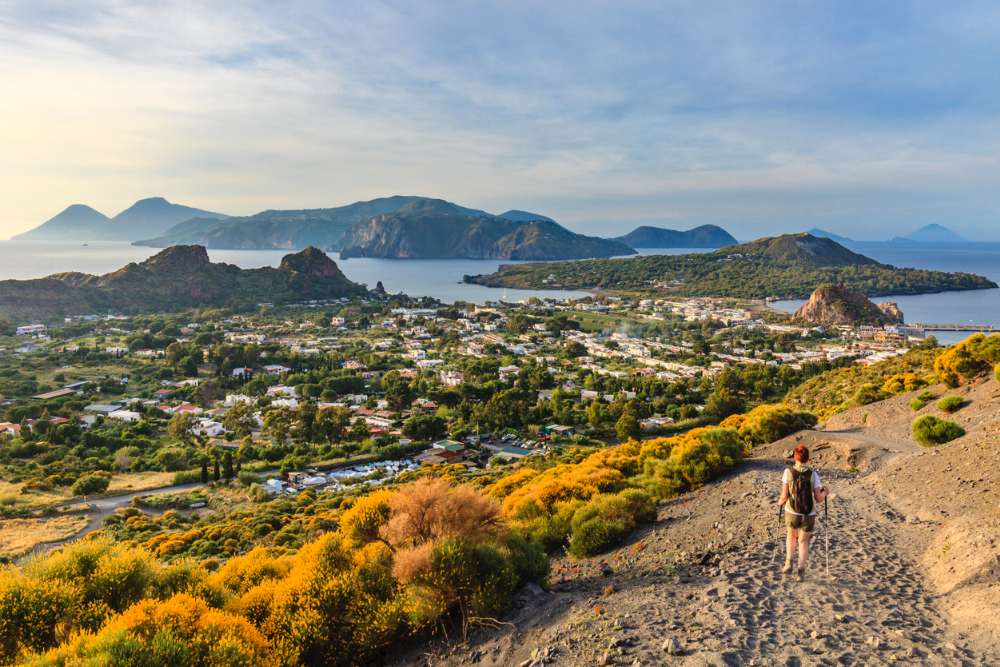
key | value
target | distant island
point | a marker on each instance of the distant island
(398, 227)
(788, 266)
(147, 217)
(176, 278)
(705, 236)
(823, 234)
(441, 230)
(931, 234)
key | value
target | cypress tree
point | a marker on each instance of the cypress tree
(227, 465)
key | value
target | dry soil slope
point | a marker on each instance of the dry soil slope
(702, 586)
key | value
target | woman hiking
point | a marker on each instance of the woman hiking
(801, 493)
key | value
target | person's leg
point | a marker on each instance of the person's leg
(790, 549)
(804, 538)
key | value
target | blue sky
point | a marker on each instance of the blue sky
(866, 118)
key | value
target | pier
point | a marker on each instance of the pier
(973, 328)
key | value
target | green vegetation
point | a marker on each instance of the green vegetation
(786, 266)
(972, 358)
(929, 430)
(951, 404)
(398, 563)
(837, 390)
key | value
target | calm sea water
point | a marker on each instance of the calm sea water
(442, 278)
(976, 307)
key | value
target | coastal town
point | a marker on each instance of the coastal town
(424, 382)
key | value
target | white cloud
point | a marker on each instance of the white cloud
(600, 115)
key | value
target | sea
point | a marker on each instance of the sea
(977, 307)
(442, 279)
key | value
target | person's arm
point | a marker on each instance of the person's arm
(784, 494)
(820, 492)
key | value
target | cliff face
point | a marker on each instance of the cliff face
(835, 305)
(435, 229)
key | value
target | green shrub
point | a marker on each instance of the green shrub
(917, 404)
(926, 395)
(88, 485)
(930, 430)
(607, 519)
(868, 393)
(996, 371)
(187, 477)
(950, 404)
(247, 478)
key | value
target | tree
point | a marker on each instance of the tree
(204, 471)
(227, 465)
(240, 419)
(595, 413)
(627, 427)
(180, 425)
(278, 424)
(722, 403)
(398, 391)
(215, 470)
(425, 427)
(88, 485)
(331, 423)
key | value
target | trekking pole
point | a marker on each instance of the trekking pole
(826, 534)
(777, 539)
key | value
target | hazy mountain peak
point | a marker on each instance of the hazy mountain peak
(799, 248)
(823, 234)
(932, 233)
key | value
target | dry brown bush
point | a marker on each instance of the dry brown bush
(431, 508)
(413, 562)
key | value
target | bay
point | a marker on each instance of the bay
(972, 307)
(441, 279)
(437, 278)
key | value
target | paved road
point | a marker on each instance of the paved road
(102, 508)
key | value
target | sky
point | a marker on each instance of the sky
(868, 119)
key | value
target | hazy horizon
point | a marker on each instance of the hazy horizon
(866, 121)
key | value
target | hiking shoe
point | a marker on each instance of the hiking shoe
(787, 569)
(801, 574)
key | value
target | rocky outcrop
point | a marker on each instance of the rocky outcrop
(891, 310)
(833, 305)
(174, 279)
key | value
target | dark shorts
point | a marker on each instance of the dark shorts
(797, 521)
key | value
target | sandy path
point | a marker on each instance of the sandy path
(703, 586)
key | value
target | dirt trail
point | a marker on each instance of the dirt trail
(703, 585)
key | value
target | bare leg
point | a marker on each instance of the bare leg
(804, 538)
(790, 549)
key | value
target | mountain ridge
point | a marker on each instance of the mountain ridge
(176, 278)
(435, 228)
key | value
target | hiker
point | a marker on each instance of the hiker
(801, 493)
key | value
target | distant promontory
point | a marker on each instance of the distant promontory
(177, 278)
(788, 266)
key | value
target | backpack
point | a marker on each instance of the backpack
(800, 491)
